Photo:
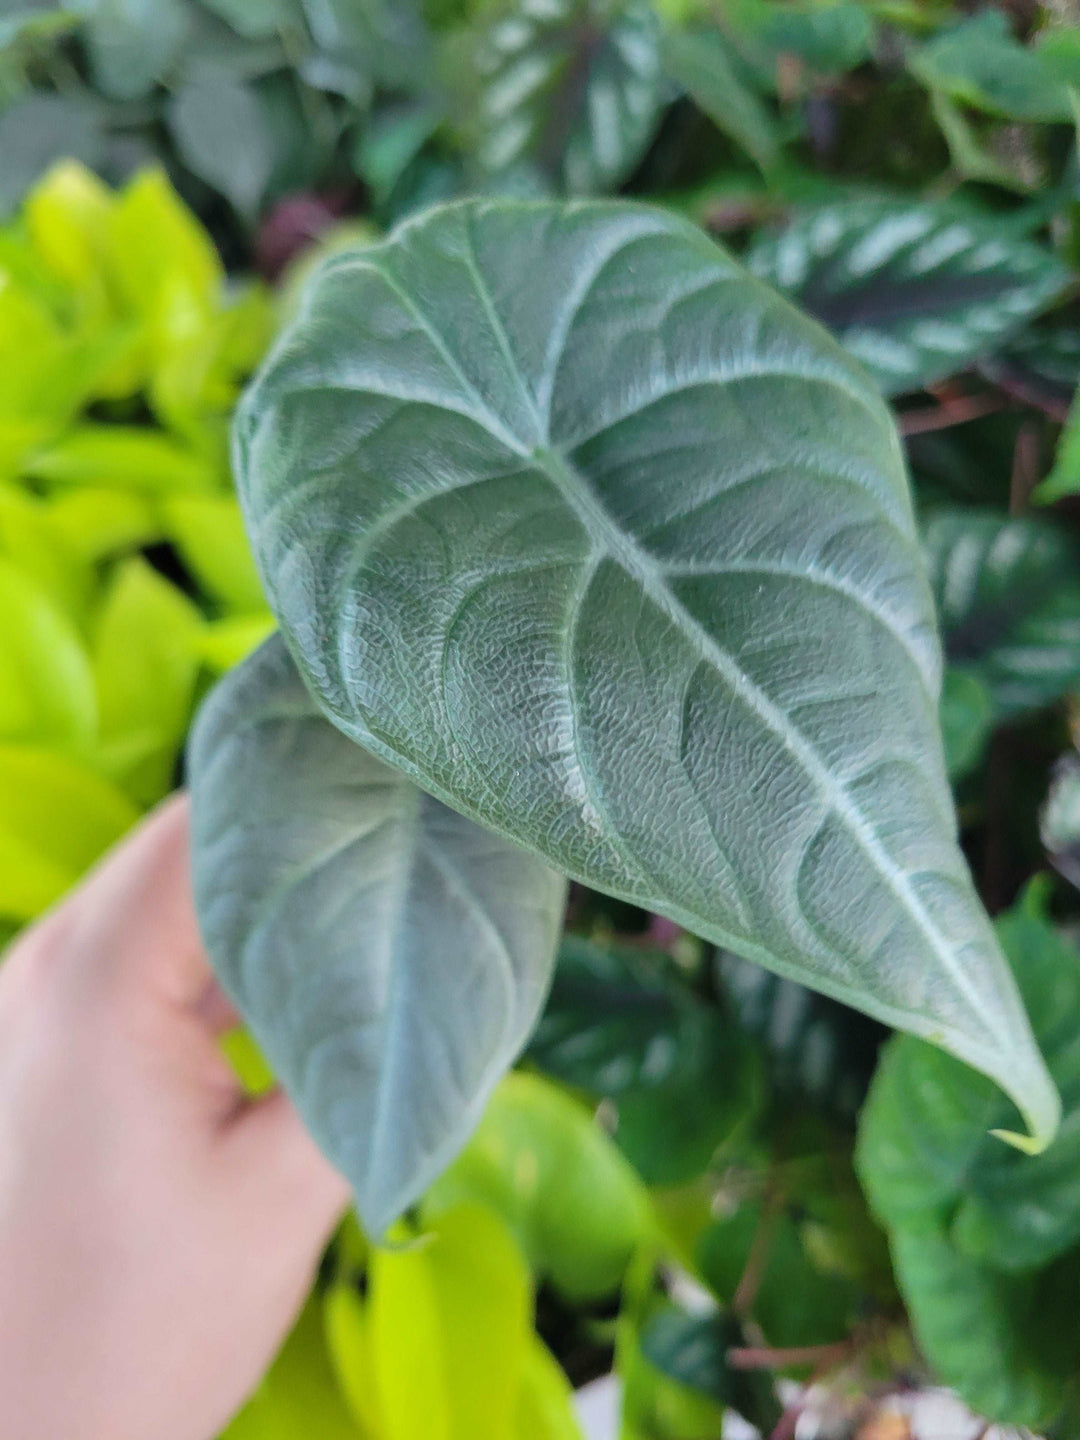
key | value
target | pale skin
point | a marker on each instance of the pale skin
(158, 1230)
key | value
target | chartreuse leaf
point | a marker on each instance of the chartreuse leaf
(145, 664)
(916, 290)
(300, 1397)
(926, 1151)
(450, 1330)
(513, 537)
(1008, 599)
(388, 955)
(575, 1205)
(124, 457)
(100, 523)
(683, 1077)
(570, 88)
(56, 819)
(46, 683)
(545, 1407)
(209, 533)
(30, 538)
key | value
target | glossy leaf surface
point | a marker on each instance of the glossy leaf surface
(915, 290)
(516, 537)
(388, 955)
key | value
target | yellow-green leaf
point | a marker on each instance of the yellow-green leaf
(46, 684)
(57, 818)
(208, 530)
(124, 457)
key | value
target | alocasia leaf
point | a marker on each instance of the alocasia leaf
(621, 562)
(1008, 598)
(389, 956)
(915, 289)
(570, 88)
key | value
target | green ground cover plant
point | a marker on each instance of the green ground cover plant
(636, 624)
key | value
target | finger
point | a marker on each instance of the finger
(132, 921)
(216, 1010)
(270, 1147)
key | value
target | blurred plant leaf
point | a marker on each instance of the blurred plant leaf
(916, 290)
(571, 88)
(449, 1330)
(42, 128)
(692, 1349)
(1059, 823)
(57, 819)
(224, 643)
(97, 524)
(257, 19)
(828, 37)
(124, 457)
(1064, 476)
(540, 1160)
(46, 683)
(703, 64)
(132, 43)
(209, 533)
(145, 665)
(221, 131)
(967, 719)
(434, 939)
(31, 539)
(977, 61)
(1008, 598)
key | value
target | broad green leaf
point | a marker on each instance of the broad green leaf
(539, 1159)
(388, 955)
(223, 136)
(515, 539)
(347, 1320)
(1008, 598)
(701, 62)
(1059, 823)
(571, 88)
(449, 1328)
(1005, 1343)
(915, 289)
(209, 533)
(123, 457)
(98, 524)
(145, 665)
(980, 63)
(57, 818)
(545, 1407)
(827, 36)
(926, 1153)
(66, 216)
(684, 1078)
(46, 684)
(30, 538)
(132, 43)
(299, 1399)
(967, 719)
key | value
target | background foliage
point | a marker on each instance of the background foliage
(908, 173)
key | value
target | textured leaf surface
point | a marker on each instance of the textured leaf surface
(926, 1154)
(1008, 600)
(571, 88)
(388, 955)
(621, 562)
(915, 290)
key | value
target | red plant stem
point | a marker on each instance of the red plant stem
(762, 1357)
(951, 412)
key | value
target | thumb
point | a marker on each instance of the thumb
(276, 1158)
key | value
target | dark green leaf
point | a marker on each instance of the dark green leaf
(916, 290)
(514, 537)
(572, 88)
(702, 63)
(1008, 598)
(827, 36)
(693, 1350)
(223, 135)
(389, 956)
(926, 1154)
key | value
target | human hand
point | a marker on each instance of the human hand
(158, 1231)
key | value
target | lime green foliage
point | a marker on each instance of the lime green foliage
(986, 1242)
(123, 348)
